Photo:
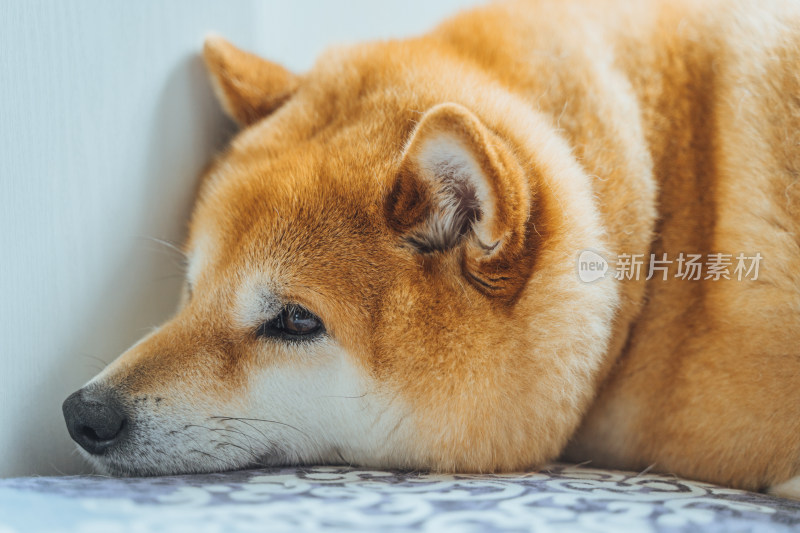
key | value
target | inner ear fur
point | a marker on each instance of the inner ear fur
(248, 87)
(460, 188)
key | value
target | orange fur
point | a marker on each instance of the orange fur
(621, 127)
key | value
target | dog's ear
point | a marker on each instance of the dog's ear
(461, 187)
(248, 87)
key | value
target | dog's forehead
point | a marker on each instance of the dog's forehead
(305, 214)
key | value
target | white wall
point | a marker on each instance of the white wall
(106, 119)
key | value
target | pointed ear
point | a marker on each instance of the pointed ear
(460, 187)
(248, 87)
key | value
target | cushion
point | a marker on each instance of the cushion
(558, 498)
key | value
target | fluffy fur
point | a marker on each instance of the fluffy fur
(428, 198)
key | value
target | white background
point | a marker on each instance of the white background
(106, 119)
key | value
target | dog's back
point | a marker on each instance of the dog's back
(691, 109)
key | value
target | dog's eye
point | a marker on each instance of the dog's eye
(293, 322)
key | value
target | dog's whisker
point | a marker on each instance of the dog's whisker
(258, 459)
(183, 262)
(341, 457)
(249, 440)
(244, 420)
(194, 450)
(251, 426)
(170, 245)
(98, 359)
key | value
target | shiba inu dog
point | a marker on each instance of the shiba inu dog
(383, 266)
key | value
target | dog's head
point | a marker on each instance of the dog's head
(380, 272)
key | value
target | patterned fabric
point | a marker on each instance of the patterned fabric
(559, 498)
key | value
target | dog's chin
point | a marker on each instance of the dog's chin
(116, 465)
(104, 466)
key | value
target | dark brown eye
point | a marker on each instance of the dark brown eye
(293, 322)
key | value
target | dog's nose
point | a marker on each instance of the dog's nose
(95, 420)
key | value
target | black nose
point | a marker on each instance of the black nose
(95, 420)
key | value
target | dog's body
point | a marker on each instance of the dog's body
(427, 200)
